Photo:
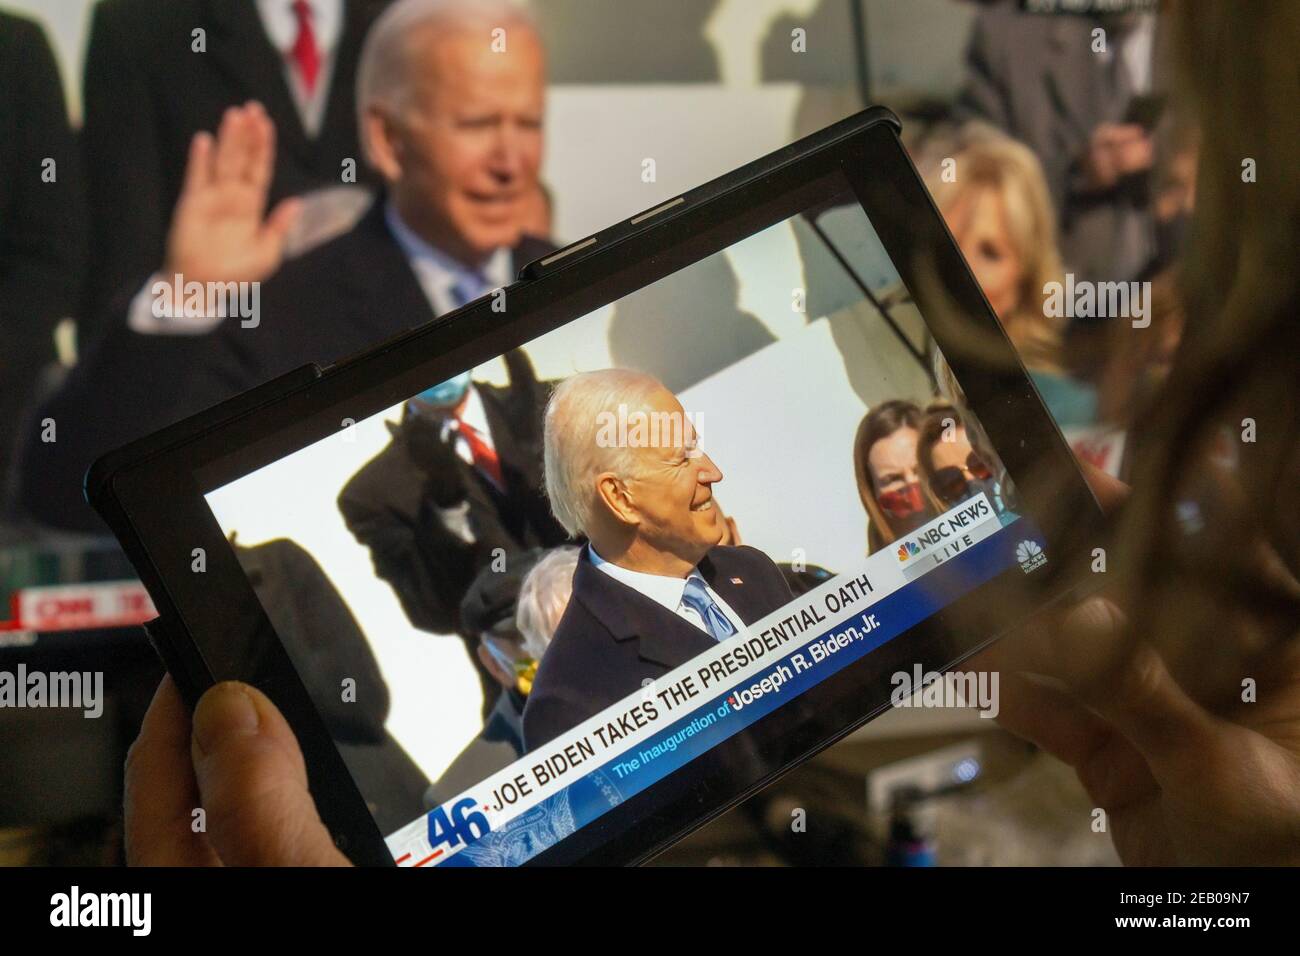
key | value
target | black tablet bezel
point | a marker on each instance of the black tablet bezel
(213, 628)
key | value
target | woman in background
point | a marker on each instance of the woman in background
(884, 463)
(952, 469)
(998, 209)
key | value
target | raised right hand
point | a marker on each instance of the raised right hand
(218, 233)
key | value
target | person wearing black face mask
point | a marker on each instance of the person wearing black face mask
(889, 481)
(458, 484)
(952, 469)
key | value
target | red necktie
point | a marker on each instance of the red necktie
(305, 55)
(485, 457)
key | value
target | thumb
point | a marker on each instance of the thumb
(276, 228)
(253, 783)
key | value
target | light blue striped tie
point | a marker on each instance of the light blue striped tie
(696, 597)
(467, 288)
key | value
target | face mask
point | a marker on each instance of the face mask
(901, 503)
(991, 489)
(905, 508)
(448, 393)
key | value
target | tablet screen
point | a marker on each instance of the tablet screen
(781, 470)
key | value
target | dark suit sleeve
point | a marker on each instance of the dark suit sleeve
(997, 63)
(546, 717)
(424, 563)
(41, 223)
(126, 387)
(323, 638)
(123, 176)
(984, 95)
(775, 586)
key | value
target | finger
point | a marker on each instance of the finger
(1103, 133)
(1035, 708)
(1127, 684)
(1109, 492)
(275, 232)
(1109, 767)
(160, 794)
(1138, 155)
(282, 219)
(1116, 775)
(1049, 717)
(1126, 133)
(254, 783)
(232, 144)
(260, 160)
(198, 165)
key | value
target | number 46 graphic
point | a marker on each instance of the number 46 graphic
(463, 827)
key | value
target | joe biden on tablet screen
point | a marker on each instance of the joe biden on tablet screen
(653, 586)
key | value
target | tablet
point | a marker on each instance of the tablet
(372, 544)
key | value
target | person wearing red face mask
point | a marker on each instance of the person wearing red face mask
(889, 480)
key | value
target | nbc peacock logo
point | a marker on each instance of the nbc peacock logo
(907, 550)
(1030, 555)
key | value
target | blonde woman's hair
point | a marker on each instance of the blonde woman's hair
(987, 159)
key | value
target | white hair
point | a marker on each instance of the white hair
(543, 596)
(383, 74)
(573, 456)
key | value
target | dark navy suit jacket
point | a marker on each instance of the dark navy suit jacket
(612, 637)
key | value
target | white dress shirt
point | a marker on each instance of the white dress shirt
(281, 26)
(438, 272)
(473, 415)
(1136, 47)
(456, 518)
(666, 591)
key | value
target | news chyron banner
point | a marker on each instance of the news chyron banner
(553, 791)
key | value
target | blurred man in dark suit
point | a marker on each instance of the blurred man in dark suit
(457, 490)
(1085, 103)
(328, 647)
(653, 587)
(453, 128)
(42, 219)
(160, 71)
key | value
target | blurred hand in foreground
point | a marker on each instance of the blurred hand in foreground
(239, 761)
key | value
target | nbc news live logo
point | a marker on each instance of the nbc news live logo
(952, 533)
(1030, 555)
